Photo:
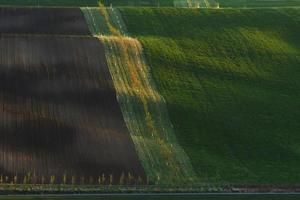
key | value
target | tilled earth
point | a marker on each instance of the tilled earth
(60, 121)
(66, 21)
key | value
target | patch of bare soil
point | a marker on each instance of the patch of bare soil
(60, 121)
(66, 21)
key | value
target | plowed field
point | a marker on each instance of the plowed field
(60, 121)
(42, 21)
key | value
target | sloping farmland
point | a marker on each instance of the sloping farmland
(145, 114)
(42, 21)
(143, 108)
(60, 121)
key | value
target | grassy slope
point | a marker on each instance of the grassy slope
(143, 109)
(223, 3)
(145, 114)
(141, 2)
(231, 79)
(258, 3)
(249, 197)
(50, 2)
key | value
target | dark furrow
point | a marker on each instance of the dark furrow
(59, 115)
(42, 21)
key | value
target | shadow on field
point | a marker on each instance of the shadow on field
(59, 116)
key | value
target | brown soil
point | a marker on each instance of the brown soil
(42, 21)
(59, 114)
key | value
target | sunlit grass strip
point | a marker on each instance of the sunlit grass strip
(143, 108)
(116, 20)
(104, 21)
(145, 114)
(96, 21)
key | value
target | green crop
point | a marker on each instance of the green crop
(231, 81)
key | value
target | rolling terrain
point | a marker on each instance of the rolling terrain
(204, 197)
(259, 3)
(230, 79)
(204, 3)
(157, 98)
(153, 3)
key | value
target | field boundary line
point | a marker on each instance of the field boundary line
(145, 114)
(143, 108)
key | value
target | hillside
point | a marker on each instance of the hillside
(258, 3)
(60, 121)
(231, 82)
(148, 99)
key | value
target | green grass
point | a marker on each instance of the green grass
(236, 197)
(146, 3)
(146, 116)
(231, 80)
(258, 3)
(144, 110)
(50, 2)
(159, 3)
(223, 3)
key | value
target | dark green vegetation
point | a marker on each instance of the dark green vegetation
(50, 2)
(223, 3)
(161, 3)
(258, 3)
(147, 3)
(231, 79)
(235, 197)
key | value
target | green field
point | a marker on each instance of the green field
(228, 79)
(151, 3)
(231, 80)
(258, 3)
(223, 3)
(235, 197)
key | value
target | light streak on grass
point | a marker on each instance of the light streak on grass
(145, 114)
(143, 108)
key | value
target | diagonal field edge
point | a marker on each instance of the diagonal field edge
(145, 114)
(143, 108)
